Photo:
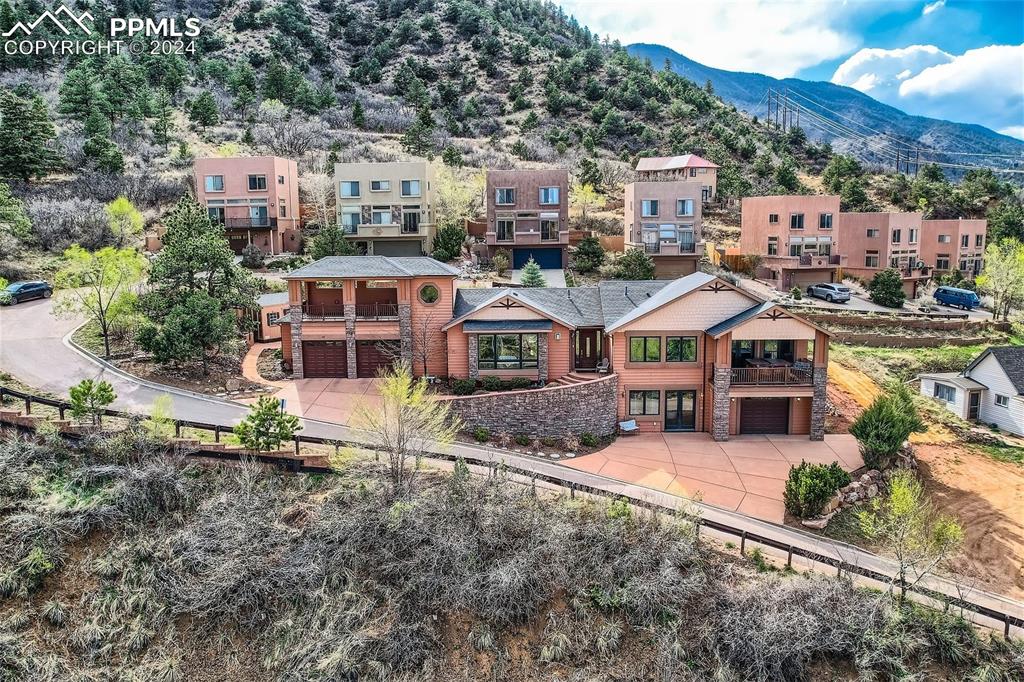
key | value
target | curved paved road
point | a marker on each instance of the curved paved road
(32, 349)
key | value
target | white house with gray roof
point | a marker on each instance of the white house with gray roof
(990, 390)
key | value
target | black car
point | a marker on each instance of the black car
(17, 292)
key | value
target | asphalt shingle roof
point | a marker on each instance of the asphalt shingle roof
(1011, 359)
(276, 298)
(658, 163)
(740, 318)
(578, 306)
(373, 266)
(670, 292)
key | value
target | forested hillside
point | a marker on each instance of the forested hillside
(473, 83)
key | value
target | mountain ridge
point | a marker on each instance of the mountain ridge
(747, 89)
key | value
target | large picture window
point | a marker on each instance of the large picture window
(645, 349)
(681, 349)
(507, 351)
(644, 402)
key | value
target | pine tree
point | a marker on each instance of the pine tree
(26, 133)
(163, 123)
(204, 110)
(278, 83)
(532, 276)
(330, 241)
(418, 138)
(79, 93)
(358, 115)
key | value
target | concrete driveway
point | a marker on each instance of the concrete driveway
(745, 474)
(329, 400)
(554, 278)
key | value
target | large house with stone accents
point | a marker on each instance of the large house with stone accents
(691, 354)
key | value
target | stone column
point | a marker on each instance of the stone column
(542, 358)
(474, 358)
(720, 404)
(819, 403)
(405, 331)
(296, 325)
(350, 336)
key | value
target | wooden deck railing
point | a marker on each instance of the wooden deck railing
(770, 376)
(376, 311)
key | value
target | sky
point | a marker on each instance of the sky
(960, 60)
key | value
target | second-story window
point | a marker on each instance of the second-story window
(945, 239)
(381, 215)
(684, 207)
(280, 179)
(506, 230)
(214, 183)
(796, 247)
(504, 196)
(897, 235)
(645, 349)
(681, 349)
(349, 189)
(548, 229)
(796, 221)
(548, 195)
(872, 233)
(350, 217)
(282, 209)
(257, 183)
(871, 259)
(380, 185)
(773, 246)
(979, 240)
(965, 241)
(773, 218)
(649, 208)
(913, 235)
(824, 221)
(410, 188)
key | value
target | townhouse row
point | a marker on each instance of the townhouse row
(805, 240)
(388, 209)
(690, 354)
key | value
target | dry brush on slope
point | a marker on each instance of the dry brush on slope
(121, 563)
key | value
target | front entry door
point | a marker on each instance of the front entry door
(973, 404)
(588, 348)
(259, 216)
(680, 410)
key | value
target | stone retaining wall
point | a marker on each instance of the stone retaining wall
(885, 341)
(890, 322)
(557, 411)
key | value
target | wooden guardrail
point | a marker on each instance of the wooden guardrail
(297, 465)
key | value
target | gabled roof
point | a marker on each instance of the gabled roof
(668, 293)
(660, 163)
(573, 307)
(754, 311)
(954, 378)
(739, 318)
(1010, 358)
(373, 266)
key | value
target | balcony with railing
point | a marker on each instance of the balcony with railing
(781, 375)
(265, 223)
(376, 311)
(316, 312)
(811, 260)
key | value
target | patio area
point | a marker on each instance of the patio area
(331, 400)
(745, 474)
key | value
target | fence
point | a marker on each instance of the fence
(297, 465)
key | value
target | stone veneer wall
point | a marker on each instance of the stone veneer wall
(720, 404)
(296, 320)
(819, 403)
(588, 407)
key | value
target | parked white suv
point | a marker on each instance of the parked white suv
(833, 293)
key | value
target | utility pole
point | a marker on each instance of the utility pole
(917, 160)
(897, 159)
(776, 110)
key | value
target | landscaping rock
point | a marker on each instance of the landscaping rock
(554, 455)
(570, 454)
(232, 384)
(872, 491)
(817, 524)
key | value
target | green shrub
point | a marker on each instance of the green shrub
(796, 293)
(448, 243)
(522, 440)
(886, 289)
(885, 425)
(481, 434)
(549, 441)
(491, 383)
(463, 386)
(6, 298)
(252, 257)
(519, 382)
(589, 439)
(811, 486)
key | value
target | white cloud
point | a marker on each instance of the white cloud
(1013, 131)
(756, 35)
(932, 6)
(983, 86)
(879, 72)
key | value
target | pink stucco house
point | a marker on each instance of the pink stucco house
(256, 198)
(664, 219)
(686, 167)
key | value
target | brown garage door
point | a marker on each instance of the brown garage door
(324, 359)
(238, 242)
(764, 415)
(374, 355)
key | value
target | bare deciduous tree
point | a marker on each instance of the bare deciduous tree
(317, 191)
(286, 134)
